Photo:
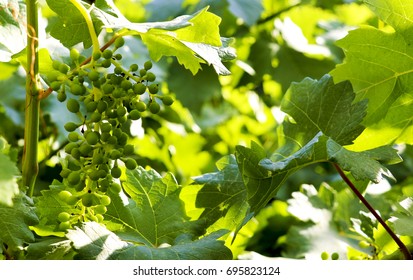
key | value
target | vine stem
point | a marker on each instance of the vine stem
(31, 122)
(402, 246)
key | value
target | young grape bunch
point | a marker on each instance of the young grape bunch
(106, 96)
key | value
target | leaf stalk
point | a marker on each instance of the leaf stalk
(402, 246)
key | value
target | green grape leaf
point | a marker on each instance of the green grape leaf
(322, 119)
(52, 248)
(222, 197)
(378, 63)
(70, 27)
(154, 214)
(94, 241)
(12, 28)
(15, 222)
(9, 171)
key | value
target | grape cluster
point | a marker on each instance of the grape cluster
(104, 95)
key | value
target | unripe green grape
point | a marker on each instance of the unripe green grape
(334, 256)
(324, 256)
(134, 67)
(100, 209)
(121, 111)
(74, 54)
(108, 88)
(154, 107)
(96, 55)
(98, 158)
(105, 127)
(64, 195)
(102, 173)
(142, 72)
(63, 217)
(92, 138)
(99, 218)
(106, 63)
(147, 65)
(115, 154)
(150, 76)
(85, 149)
(118, 70)
(119, 42)
(56, 85)
(69, 147)
(153, 88)
(130, 164)
(126, 85)
(73, 105)
(73, 136)
(107, 54)
(117, 56)
(72, 200)
(167, 100)
(65, 172)
(64, 68)
(115, 187)
(91, 106)
(93, 75)
(87, 199)
(71, 126)
(61, 96)
(73, 178)
(77, 89)
(141, 106)
(139, 88)
(128, 150)
(116, 172)
(96, 116)
(104, 200)
(52, 76)
(123, 139)
(75, 153)
(94, 175)
(64, 225)
(102, 106)
(134, 115)
(112, 140)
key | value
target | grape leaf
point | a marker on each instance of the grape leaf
(94, 241)
(12, 28)
(52, 248)
(378, 63)
(222, 197)
(154, 214)
(8, 174)
(15, 222)
(322, 118)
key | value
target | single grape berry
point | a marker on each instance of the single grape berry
(73, 136)
(64, 225)
(63, 217)
(335, 256)
(61, 96)
(147, 65)
(71, 126)
(153, 88)
(324, 256)
(64, 195)
(55, 85)
(119, 42)
(150, 76)
(73, 178)
(134, 67)
(115, 187)
(116, 172)
(56, 64)
(97, 55)
(134, 115)
(64, 68)
(139, 88)
(74, 54)
(104, 200)
(93, 75)
(130, 164)
(77, 89)
(73, 105)
(140, 106)
(100, 209)
(107, 54)
(167, 100)
(87, 200)
(92, 137)
(154, 107)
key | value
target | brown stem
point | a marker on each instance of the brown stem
(402, 246)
